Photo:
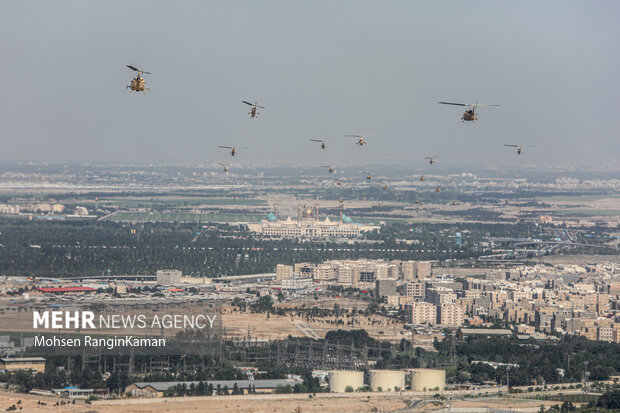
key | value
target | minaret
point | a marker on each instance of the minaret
(298, 212)
(316, 208)
(341, 207)
(275, 207)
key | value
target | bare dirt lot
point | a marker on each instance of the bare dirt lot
(324, 403)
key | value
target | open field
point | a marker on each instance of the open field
(321, 403)
(237, 323)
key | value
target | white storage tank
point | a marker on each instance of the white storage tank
(339, 380)
(428, 380)
(387, 380)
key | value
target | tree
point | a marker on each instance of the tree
(610, 400)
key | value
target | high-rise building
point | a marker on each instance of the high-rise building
(283, 272)
(423, 313)
(451, 315)
(304, 269)
(415, 289)
(385, 287)
(409, 270)
(345, 274)
(423, 269)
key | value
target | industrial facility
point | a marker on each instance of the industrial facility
(387, 380)
(341, 381)
(428, 379)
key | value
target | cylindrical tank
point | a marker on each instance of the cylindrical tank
(387, 380)
(428, 380)
(339, 380)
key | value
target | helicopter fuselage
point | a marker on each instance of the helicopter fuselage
(138, 84)
(469, 116)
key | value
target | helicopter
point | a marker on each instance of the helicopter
(422, 178)
(470, 113)
(431, 159)
(360, 141)
(519, 148)
(137, 83)
(437, 189)
(368, 176)
(330, 170)
(338, 182)
(322, 142)
(233, 151)
(385, 186)
(253, 109)
(225, 167)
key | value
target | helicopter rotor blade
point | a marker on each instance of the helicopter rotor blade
(513, 146)
(133, 68)
(262, 107)
(225, 147)
(456, 104)
(247, 103)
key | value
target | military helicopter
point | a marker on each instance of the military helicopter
(137, 83)
(519, 148)
(360, 140)
(368, 176)
(225, 167)
(330, 170)
(233, 151)
(338, 182)
(431, 159)
(253, 109)
(322, 142)
(437, 189)
(470, 113)
(422, 178)
(385, 186)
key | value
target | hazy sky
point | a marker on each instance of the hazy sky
(322, 69)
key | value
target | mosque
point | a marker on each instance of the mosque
(308, 225)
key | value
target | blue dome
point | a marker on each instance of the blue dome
(346, 219)
(271, 217)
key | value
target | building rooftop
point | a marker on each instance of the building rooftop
(65, 289)
(242, 384)
(21, 359)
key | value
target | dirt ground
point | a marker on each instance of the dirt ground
(238, 324)
(287, 403)
(213, 405)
